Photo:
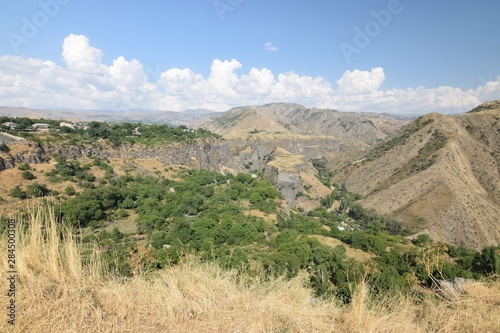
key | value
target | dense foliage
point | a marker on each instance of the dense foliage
(116, 134)
(223, 218)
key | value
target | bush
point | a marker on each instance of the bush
(121, 213)
(38, 190)
(16, 192)
(28, 175)
(4, 148)
(70, 190)
(24, 167)
(422, 240)
(128, 203)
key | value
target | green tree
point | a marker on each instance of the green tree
(255, 198)
(83, 210)
(489, 260)
(116, 234)
(279, 264)
(69, 190)
(422, 239)
(244, 178)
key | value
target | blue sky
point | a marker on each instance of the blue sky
(381, 55)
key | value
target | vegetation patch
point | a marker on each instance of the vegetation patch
(400, 139)
(115, 134)
(427, 156)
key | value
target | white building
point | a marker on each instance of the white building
(41, 127)
(70, 125)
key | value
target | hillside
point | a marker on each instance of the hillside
(439, 173)
(297, 119)
(60, 290)
(188, 117)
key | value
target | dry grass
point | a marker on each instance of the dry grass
(286, 161)
(57, 293)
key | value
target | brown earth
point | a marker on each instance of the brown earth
(448, 182)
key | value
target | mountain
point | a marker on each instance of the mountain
(188, 117)
(297, 119)
(440, 173)
(282, 138)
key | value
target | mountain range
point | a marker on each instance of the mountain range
(437, 174)
(187, 118)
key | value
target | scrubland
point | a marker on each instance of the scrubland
(62, 286)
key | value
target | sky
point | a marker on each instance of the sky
(397, 56)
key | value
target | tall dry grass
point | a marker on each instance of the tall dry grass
(58, 293)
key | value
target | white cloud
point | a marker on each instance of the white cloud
(80, 56)
(361, 82)
(85, 83)
(490, 90)
(270, 47)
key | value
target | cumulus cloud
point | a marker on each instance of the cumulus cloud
(270, 47)
(80, 56)
(490, 90)
(85, 83)
(361, 82)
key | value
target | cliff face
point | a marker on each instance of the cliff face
(23, 152)
(251, 154)
(205, 153)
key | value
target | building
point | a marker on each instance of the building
(70, 125)
(41, 127)
(10, 124)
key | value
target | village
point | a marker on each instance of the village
(25, 125)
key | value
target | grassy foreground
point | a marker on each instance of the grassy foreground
(57, 292)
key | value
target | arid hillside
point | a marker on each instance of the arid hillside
(439, 173)
(58, 290)
(297, 119)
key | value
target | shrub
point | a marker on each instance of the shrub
(69, 190)
(4, 148)
(24, 167)
(16, 192)
(28, 175)
(422, 240)
(121, 213)
(38, 190)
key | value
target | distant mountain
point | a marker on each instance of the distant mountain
(401, 116)
(188, 118)
(203, 112)
(297, 119)
(440, 173)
